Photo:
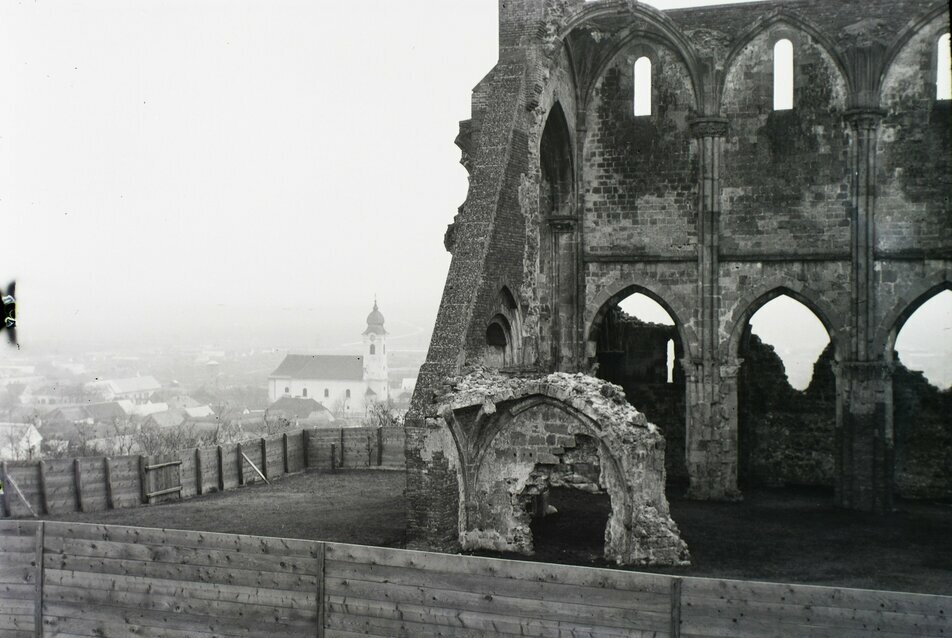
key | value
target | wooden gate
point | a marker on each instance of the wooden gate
(161, 479)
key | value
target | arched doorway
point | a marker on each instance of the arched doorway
(922, 397)
(638, 346)
(786, 396)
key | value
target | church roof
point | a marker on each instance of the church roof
(321, 366)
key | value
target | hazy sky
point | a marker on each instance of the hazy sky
(228, 171)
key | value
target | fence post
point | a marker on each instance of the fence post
(379, 446)
(675, 608)
(333, 457)
(44, 504)
(4, 503)
(306, 441)
(284, 453)
(199, 477)
(264, 457)
(320, 590)
(38, 592)
(341, 464)
(221, 470)
(107, 468)
(78, 480)
(241, 466)
(143, 481)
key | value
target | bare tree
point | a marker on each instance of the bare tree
(275, 423)
(381, 414)
(124, 430)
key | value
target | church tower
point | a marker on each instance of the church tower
(375, 356)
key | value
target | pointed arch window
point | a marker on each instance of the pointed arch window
(642, 98)
(783, 75)
(943, 76)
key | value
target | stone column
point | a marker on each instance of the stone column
(564, 291)
(864, 382)
(712, 414)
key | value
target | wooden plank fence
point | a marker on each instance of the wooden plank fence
(57, 486)
(74, 579)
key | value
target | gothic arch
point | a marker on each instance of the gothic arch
(893, 322)
(618, 291)
(749, 304)
(668, 34)
(912, 28)
(782, 16)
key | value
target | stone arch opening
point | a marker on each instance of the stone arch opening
(638, 345)
(557, 185)
(786, 395)
(541, 445)
(499, 346)
(920, 348)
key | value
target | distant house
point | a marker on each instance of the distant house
(298, 410)
(19, 441)
(199, 412)
(167, 419)
(135, 389)
(345, 384)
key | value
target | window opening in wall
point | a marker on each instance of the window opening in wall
(786, 397)
(639, 348)
(783, 75)
(304, 393)
(347, 394)
(287, 390)
(922, 400)
(327, 393)
(642, 86)
(943, 76)
(925, 341)
(670, 360)
(373, 349)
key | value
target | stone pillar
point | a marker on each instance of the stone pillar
(712, 408)
(864, 437)
(564, 291)
(864, 431)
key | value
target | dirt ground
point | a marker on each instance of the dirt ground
(772, 535)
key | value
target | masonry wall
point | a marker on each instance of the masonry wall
(639, 173)
(785, 186)
(914, 154)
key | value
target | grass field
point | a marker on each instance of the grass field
(775, 535)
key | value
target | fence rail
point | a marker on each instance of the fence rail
(96, 580)
(88, 484)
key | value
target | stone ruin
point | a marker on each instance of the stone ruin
(517, 437)
(713, 202)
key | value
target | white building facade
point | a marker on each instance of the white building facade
(344, 384)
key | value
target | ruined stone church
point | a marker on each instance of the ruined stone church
(711, 159)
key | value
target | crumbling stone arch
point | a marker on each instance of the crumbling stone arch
(748, 305)
(616, 292)
(507, 428)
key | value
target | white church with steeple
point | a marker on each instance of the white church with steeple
(344, 384)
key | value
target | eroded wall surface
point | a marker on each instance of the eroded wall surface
(712, 205)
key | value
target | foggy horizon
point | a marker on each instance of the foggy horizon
(241, 174)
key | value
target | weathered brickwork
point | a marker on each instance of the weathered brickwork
(914, 154)
(712, 205)
(639, 174)
(785, 181)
